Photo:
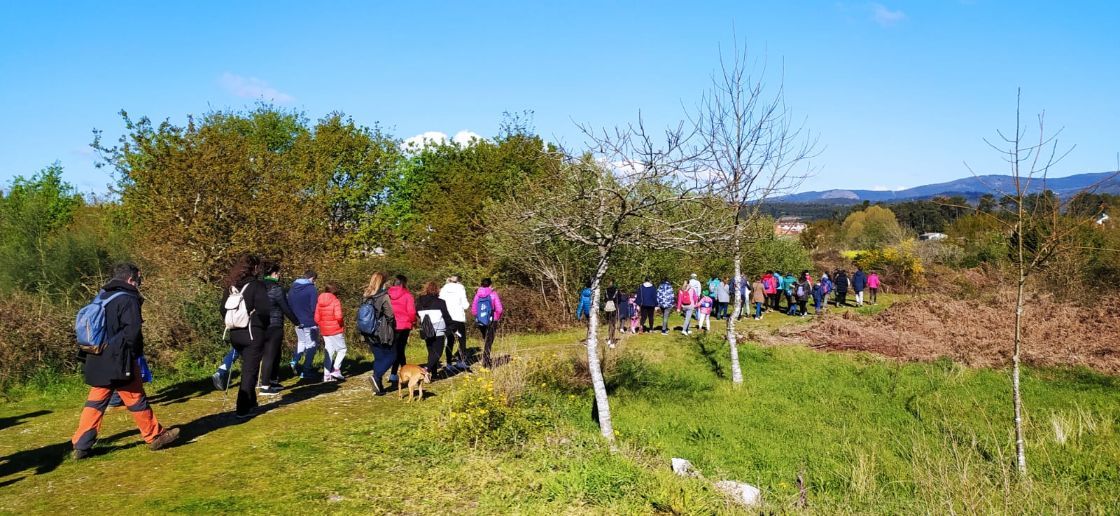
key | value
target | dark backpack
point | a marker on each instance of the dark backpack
(368, 318)
(427, 330)
(89, 325)
(485, 311)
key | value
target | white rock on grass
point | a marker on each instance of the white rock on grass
(684, 468)
(744, 494)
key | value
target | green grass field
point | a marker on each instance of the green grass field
(868, 434)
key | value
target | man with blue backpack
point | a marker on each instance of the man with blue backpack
(487, 311)
(110, 343)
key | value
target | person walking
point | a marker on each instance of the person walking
(328, 317)
(632, 303)
(758, 296)
(704, 311)
(611, 312)
(840, 281)
(455, 296)
(826, 290)
(487, 311)
(303, 297)
(117, 369)
(818, 298)
(647, 303)
(241, 282)
(380, 342)
(789, 287)
(873, 286)
(584, 307)
(274, 334)
(404, 316)
(694, 286)
(803, 289)
(432, 310)
(713, 292)
(686, 303)
(723, 298)
(665, 301)
(770, 289)
(859, 284)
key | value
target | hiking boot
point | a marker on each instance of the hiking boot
(165, 438)
(79, 454)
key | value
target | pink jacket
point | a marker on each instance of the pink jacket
(494, 300)
(706, 310)
(873, 281)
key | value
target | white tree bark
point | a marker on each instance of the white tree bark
(736, 370)
(598, 384)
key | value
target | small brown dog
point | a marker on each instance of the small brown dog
(414, 376)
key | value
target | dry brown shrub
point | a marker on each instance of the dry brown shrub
(976, 332)
(35, 336)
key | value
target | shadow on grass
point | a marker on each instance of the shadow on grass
(710, 355)
(10, 421)
(199, 427)
(47, 458)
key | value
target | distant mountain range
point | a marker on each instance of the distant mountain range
(970, 187)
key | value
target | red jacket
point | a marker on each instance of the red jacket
(328, 314)
(404, 307)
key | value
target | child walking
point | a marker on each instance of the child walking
(635, 313)
(704, 322)
(328, 315)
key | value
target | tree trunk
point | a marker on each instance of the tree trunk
(1020, 445)
(598, 384)
(736, 371)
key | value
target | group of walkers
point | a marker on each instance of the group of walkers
(255, 309)
(634, 311)
(386, 317)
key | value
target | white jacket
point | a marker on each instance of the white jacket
(456, 298)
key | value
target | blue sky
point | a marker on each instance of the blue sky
(900, 93)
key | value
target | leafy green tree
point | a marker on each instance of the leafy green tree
(871, 228)
(32, 213)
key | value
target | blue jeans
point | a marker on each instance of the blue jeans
(227, 361)
(687, 317)
(383, 359)
(758, 309)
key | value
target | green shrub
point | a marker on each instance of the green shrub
(474, 414)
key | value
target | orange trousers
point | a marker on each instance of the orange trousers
(132, 394)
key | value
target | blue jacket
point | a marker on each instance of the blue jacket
(302, 298)
(647, 295)
(859, 281)
(818, 294)
(666, 298)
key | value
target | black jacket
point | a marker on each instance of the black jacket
(256, 301)
(115, 365)
(840, 281)
(433, 302)
(279, 305)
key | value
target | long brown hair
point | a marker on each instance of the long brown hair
(375, 283)
(431, 289)
(247, 266)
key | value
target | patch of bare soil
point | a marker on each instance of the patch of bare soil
(976, 332)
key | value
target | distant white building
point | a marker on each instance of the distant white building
(789, 226)
(932, 236)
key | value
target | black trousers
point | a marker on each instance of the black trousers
(487, 332)
(400, 340)
(435, 349)
(647, 318)
(250, 350)
(270, 360)
(773, 298)
(454, 327)
(841, 298)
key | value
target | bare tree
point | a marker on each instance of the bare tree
(629, 189)
(755, 152)
(1039, 225)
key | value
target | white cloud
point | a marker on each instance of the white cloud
(252, 88)
(886, 17)
(466, 137)
(463, 138)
